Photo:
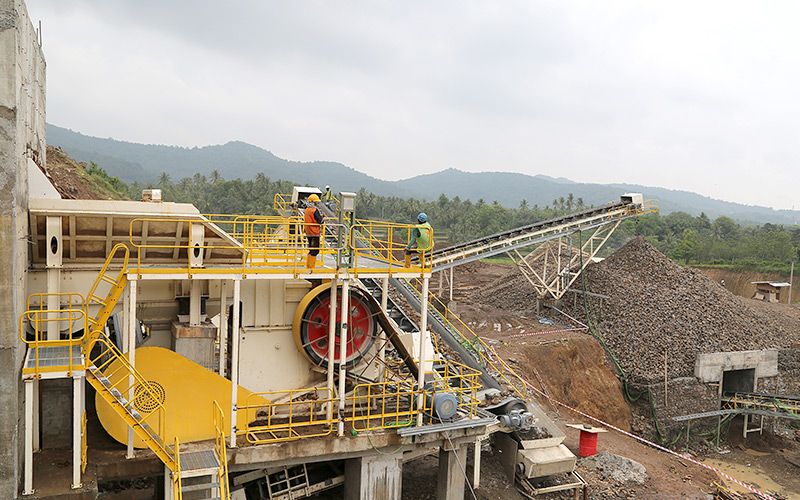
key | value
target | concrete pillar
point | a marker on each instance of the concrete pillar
(194, 302)
(28, 487)
(377, 477)
(76, 431)
(133, 286)
(169, 492)
(37, 444)
(452, 473)
(237, 287)
(476, 467)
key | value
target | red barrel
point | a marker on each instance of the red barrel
(588, 444)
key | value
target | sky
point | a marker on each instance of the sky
(701, 96)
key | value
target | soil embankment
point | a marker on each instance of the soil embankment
(741, 282)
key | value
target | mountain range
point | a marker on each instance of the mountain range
(144, 163)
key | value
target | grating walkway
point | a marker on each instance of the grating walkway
(199, 460)
(51, 358)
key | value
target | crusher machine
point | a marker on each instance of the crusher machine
(207, 341)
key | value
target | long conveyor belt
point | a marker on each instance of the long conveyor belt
(538, 232)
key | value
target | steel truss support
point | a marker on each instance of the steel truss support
(553, 266)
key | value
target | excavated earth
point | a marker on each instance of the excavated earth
(656, 308)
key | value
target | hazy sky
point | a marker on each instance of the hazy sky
(690, 95)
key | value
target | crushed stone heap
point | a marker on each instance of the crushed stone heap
(656, 306)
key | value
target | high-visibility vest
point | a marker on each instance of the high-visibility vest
(311, 226)
(425, 238)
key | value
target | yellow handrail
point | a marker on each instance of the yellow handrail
(222, 452)
(286, 417)
(177, 486)
(385, 242)
(38, 319)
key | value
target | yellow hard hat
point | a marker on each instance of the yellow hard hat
(313, 198)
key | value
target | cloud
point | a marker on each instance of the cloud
(689, 95)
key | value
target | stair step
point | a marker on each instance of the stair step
(200, 487)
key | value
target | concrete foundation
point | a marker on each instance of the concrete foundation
(452, 473)
(376, 477)
(22, 140)
(711, 367)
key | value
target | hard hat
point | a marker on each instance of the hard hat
(422, 217)
(327, 187)
(313, 198)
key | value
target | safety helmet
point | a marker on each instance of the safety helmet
(327, 188)
(422, 217)
(313, 198)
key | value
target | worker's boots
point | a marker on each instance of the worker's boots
(408, 260)
(311, 261)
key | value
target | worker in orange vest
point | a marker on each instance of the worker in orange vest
(312, 219)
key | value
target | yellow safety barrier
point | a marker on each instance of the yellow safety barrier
(106, 301)
(290, 415)
(221, 449)
(454, 378)
(251, 244)
(379, 246)
(177, 486)
(38, 319)
(382, 405)
(487, 355)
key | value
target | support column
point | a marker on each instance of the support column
(451, 284)
(54, 261)
(476, 466)
(37, 445)
(28, 487)
(169, 492)
(126, 321)
(424, 337)
(194, 302)
(132, 325)
(223, 327)
(382, 339)
(76, 431)
(54, 302)
(345, 319)
(332, 347)
(237, 286)
(452, 471)
(377, 476)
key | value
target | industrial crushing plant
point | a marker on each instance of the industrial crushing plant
(206, 340)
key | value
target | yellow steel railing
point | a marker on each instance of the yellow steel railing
(271, 245)
(84, 442)
(289, 415)
(177, 486)
(382, 405)
(114, 285)
(454, 378)
(38, 320)
(379, 246)
(222, 451)
(487, 355)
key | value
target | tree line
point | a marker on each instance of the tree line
(689, 239)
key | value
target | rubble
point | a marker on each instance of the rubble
(656, 309)
(615, 468)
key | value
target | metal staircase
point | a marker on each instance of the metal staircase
(114, 285)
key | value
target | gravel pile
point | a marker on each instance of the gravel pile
(656, 307)
(615, 468)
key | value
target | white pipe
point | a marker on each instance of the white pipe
(423, 343)
(132, 326)
(331, 346)
(343, 350)
(223, 327)
(76, 432)
(384, 307)
(235, 359)
(28, 488)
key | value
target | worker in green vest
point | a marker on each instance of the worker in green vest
(421, 239)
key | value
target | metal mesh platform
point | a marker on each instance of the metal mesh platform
(53, 356)
(199, 460)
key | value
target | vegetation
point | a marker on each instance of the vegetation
(688, 239)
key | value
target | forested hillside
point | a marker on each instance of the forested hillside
(145, 162)
(686, 238)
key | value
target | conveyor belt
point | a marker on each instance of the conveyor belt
(531, 234)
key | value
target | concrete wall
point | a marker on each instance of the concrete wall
(22, 136)
(709, 367)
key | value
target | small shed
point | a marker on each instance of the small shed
(769, 291)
